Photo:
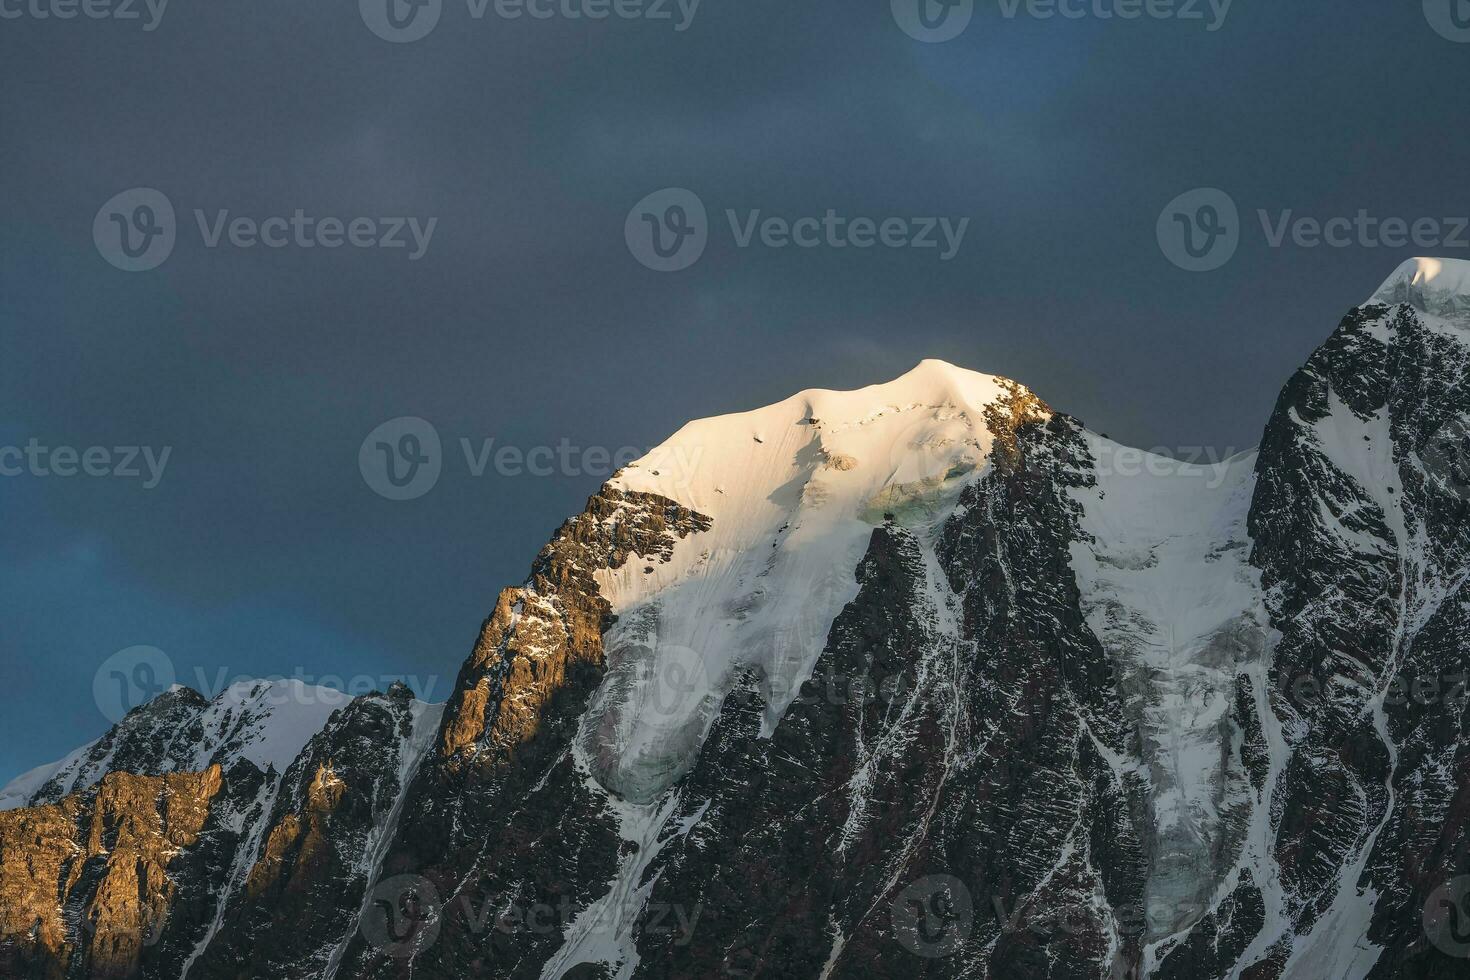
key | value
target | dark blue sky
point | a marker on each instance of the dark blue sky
(527, 320)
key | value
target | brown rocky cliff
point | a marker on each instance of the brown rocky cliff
(499, 812)
(557, 619)
(311, 871)
(86, 884)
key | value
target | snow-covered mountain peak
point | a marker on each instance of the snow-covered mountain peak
(1439, 287)
(793, 491)
(900, 431)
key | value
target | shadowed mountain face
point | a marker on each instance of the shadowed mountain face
(924, 680)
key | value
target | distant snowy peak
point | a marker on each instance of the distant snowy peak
(1439, 287)
(263, 722)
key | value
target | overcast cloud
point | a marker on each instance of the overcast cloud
(527, 319)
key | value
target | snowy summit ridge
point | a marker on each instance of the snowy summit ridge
(1439, 287)
(794, 490)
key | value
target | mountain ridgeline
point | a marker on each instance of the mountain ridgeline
(921, 680)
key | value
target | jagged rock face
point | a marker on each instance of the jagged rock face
(551, 627)
(1364, 551)
(500, 820)
(923, 680)
(900, 771)
(145, 742)
(1051, 833)
(110, 884)
(788, 835)
(295, 908)
(263, 723)
(1363, 547)
(141, 874)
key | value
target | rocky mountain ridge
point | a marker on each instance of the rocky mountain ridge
(925, 679)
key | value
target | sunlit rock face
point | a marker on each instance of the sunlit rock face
(320, 844)
(925, 679)
(132, 871)
(109, 884)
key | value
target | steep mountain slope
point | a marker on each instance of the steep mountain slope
(924, 679)
(141, 851)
